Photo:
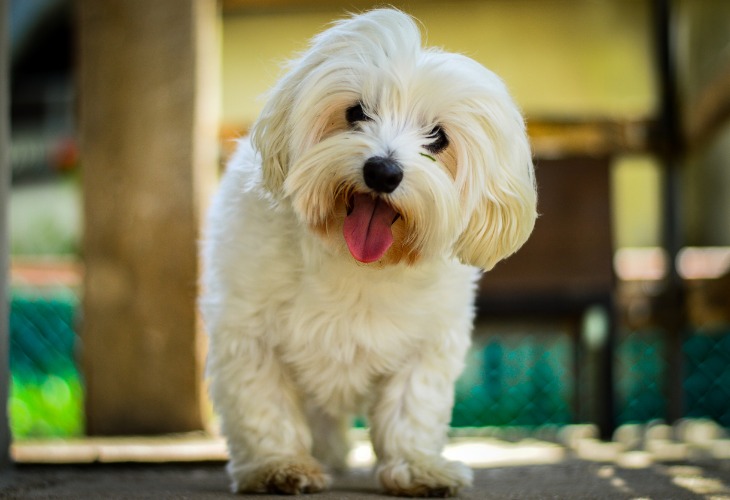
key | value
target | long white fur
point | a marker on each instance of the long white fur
(301, 335)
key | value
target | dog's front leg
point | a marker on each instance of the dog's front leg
(269, 440)
(409, 429)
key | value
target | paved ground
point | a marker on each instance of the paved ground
(690, 460)
(570, 479)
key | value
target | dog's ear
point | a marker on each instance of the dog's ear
(270, 134)
(499, 188)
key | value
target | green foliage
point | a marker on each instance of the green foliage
(46, 391)
(51, 406)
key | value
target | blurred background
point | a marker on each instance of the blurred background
(617, 310)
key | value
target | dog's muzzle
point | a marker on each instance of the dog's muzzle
(381, 174)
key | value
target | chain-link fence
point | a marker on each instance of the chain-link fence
(516, 375)
(642, 371)
(707, 376)
(46, 390)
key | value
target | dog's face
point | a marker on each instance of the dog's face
(394, 153)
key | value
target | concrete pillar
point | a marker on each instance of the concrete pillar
(148, 85)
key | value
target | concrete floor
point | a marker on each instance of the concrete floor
(690, 460)
(569, 479)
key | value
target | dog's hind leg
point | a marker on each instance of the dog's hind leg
(269, 440)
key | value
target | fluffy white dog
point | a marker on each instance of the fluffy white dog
(342, 251)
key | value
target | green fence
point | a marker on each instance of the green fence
(707, 376)
(640, 370)
(514, 376)
(46, 390)
(516, 379)
(642, 366)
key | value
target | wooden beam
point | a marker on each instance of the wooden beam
(701, 33)
(560, 138)
(550, 137)
(709, 112)
(237, 6)
(148, 148)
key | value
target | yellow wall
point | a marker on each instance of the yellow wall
(568, 58)
(579, 57)
(636, 199)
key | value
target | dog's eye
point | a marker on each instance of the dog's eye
(356, 114)
(440, 141)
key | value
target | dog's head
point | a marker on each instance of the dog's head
(397, 153)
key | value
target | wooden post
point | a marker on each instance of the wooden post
(4, 195)
(148, 131)
(670, 153)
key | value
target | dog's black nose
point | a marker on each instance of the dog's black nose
(382, 174)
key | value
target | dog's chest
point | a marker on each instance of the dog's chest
(347, 332)
(338, 373)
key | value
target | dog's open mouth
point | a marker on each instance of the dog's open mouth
(367, 227)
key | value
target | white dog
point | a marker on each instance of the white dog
(342, 252)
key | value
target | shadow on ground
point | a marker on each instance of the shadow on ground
(570, 479)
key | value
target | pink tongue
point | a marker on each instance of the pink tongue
(367, 228)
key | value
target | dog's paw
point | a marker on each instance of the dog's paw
(432, 479)
(285, 475)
